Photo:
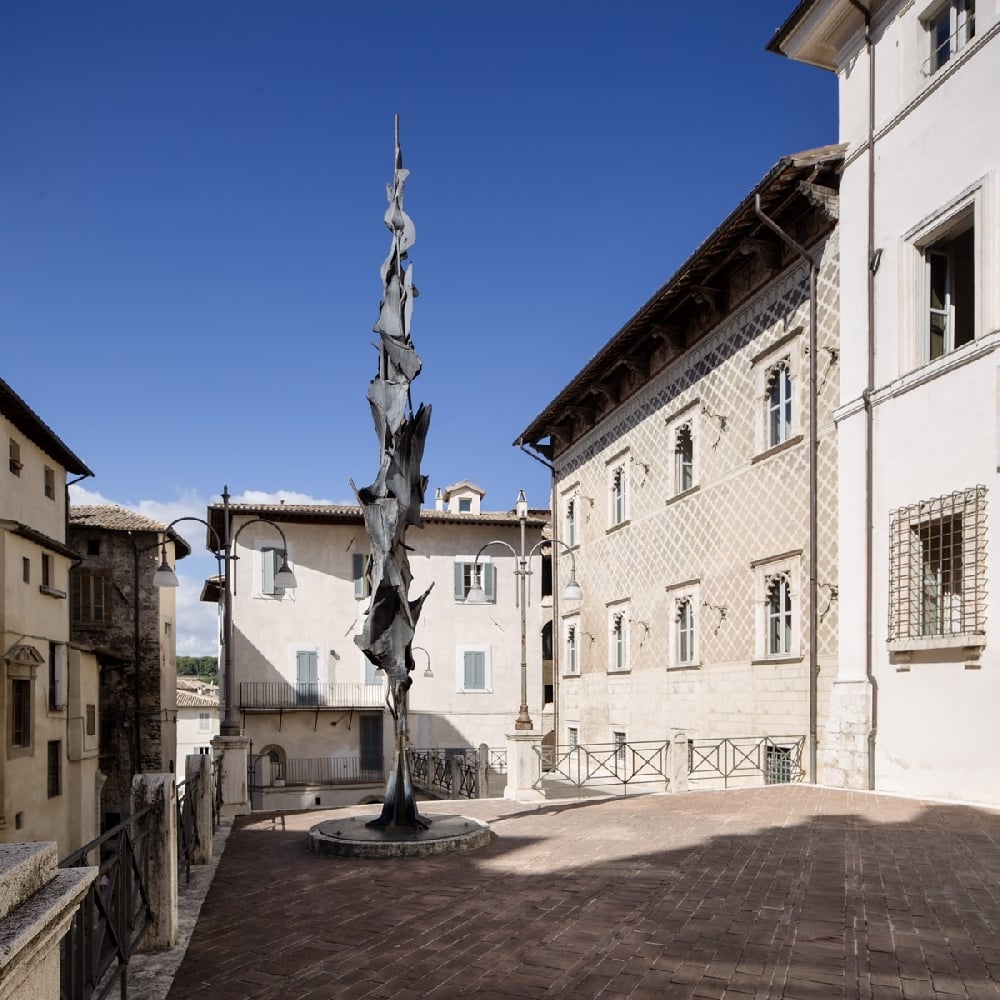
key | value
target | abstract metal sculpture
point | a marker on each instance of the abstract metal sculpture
(392, 503)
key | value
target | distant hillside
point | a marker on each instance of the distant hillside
(204, 667)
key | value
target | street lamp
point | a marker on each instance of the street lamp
(571, 592)
(226, 553)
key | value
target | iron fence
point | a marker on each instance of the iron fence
(330, 771)
(187, 826)
(451, 772)
(279, 695)
(114, 914)
(776, 759)
(606, 765)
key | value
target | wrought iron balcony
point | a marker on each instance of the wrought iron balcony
(280, 696)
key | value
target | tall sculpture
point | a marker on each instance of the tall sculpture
(392, 503)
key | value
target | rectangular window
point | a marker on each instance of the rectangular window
(465, 505)
(618, 497)
(91, 720)
(777, 601)
(46, 570)
(362, 575)
(779, 404)
(951, 291)
(618, 738)
(55, 768)
(474, 663)
(466, 575)
(572, 648)
(618, 641)
(90, 597)
(949, 30)
(50, 483)
(683, 458)
(271, 558)
(779, 616)
(15, 457)
(685, 630)
(26, 569)
(204, 722)
(20, 703)
(93, 546)
(572, 736)
(779, 765)
(57, 675)
(937, 571)
(570, 521)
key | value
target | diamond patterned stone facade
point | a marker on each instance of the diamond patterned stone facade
(748, 508)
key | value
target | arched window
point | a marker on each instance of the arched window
(779, 404)
(779, 616)
(685, 630)
(683, 459)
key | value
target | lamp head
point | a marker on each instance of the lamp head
(521, 506)
(164, 576)
(285, 578)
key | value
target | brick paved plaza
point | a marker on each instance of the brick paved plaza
(789, 891)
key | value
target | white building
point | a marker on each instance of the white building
(309, 700)
(914, 704)
(197, 720)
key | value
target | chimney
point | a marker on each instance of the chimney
(438, 499)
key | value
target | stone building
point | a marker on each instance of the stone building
(704, 531)
(305, 694)
(116, 609)
(49, 780)
(917, 419)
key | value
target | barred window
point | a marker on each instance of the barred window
(938, 566)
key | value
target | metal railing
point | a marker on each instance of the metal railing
(331, 771)
(452, 773)
(497, 760)
(114, 914)
(605, 765)
(776, 759)
(280, 695)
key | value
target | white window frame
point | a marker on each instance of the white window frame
(619, 739)
(680, 595)
(782, 575)
(571, 520)
(204, 722)
(959, 25)
(968, 210)
(687, 419)
(361, 575)
(260, 546)
(619, 644)
(785, 354)
(460, 687)
(571, 646)
(618, 490)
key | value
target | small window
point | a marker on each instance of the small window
(683, 459)
(26, 569)
(618, 738)
(91, 720)
(779, 616)
(361, 573)
(46, 570)
(570, 521)
(93, 546)
(779, 763)
(619, 510)
(168, 629)
(57, 675)
(951, 292)
(572, 736)
(949, 31)
(685, 630)
(20, 703)
(572, 648)
(465, 505)
(937, 571)
(55, 768)
(50, 483)
(618, 635)
(90, 597)
(474, 670)
(779, 404)
(15, 457)
(467, 573)
(204, 722)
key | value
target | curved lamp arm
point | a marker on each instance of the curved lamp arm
(284, 577)
(571, 592)
(165, 576)
(476, 594)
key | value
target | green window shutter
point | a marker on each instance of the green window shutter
(489, 580)
(475, 670)
(270, 563)
(459, 581)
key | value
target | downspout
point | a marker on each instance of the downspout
(869, 417)
(813, 477)
(556, 632)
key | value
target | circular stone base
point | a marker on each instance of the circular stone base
(349, 837)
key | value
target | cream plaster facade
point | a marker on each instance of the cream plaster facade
(933, 415)
(198, 718)
(49, 779)
(304, 690)
(686, 510)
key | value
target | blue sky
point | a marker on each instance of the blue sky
(191, 200)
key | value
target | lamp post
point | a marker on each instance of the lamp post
(225, 552)
(572, 592)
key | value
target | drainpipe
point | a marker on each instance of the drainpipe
(813, 446)
(873, 260)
